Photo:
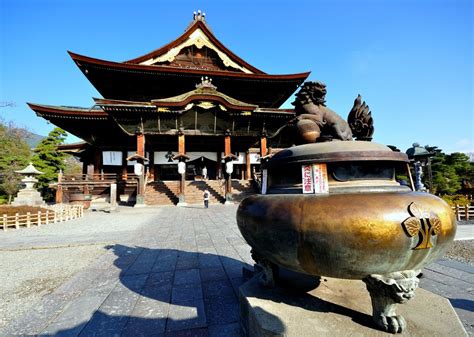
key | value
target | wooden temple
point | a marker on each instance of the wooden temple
(190, 101)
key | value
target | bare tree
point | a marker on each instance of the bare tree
(5, 104)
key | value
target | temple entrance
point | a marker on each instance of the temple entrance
(195, 169)
(167, 172)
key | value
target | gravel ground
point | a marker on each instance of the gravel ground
(23, 283)
(462, 251)
(35, 261)
(94, 227)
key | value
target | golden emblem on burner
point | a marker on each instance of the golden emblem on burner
(421, 223)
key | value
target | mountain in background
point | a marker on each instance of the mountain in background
(33, 139)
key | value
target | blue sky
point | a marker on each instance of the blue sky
(412, 61)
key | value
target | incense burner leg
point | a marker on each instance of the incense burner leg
(266, 269)
(388, 290)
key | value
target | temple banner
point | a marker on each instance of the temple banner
(163, 158)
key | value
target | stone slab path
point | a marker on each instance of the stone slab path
(167, 271)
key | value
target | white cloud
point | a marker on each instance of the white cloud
(462, 145)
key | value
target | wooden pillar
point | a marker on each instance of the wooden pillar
(182, 181)
(124, 165)
(227, 153)
(85, 162)
(97, 160)
(219, 165)
(263, 145)
(141, 178)
(181, 147)
(141, 144)
(248, 173)
(151, 166)
(59, 191)
(227, 144)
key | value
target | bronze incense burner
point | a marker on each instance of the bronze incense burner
(336, 209)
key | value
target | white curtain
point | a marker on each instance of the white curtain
(241, 158)
(196, 155)
(255, 158)
(112, 158)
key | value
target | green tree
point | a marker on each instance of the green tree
(445, 179)
(450, 171)
(14, 155)
(464, 170)
(49, 160)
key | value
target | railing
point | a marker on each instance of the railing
(463, 212)
(88, 177)
(52, 214)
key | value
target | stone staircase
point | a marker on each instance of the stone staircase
(242, 189)
(166, 192)
(162, 193)
(194, 191)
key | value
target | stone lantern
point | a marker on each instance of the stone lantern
(29, 196)
(420, 157)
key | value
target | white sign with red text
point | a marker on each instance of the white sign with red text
(320, 178)
(307, 174)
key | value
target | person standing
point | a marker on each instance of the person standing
(204, 173)
(206, 198)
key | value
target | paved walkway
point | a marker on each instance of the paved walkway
(465, 232)
(175, 273)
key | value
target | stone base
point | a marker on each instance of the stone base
(338, 308)
(28, 197)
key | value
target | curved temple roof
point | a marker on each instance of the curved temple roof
(197, 34)
(177, 66)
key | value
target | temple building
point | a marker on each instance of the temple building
(190, 101)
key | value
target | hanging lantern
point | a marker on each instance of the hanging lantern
(181, 167)
(229, 167)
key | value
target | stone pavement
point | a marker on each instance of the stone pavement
(465, 231)
(178, 275)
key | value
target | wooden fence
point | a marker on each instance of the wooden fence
(463, 212)
(53, 214)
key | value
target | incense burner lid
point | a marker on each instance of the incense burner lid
(336, 151)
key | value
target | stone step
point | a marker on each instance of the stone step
(166, 192)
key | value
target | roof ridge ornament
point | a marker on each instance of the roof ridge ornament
(206, 82)
(199, 16)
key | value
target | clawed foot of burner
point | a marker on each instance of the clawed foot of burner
(266, 269)
(393, 324)
(388, 290)
(267, 277)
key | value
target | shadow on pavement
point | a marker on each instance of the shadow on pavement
(462, 303)
(165, 292)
